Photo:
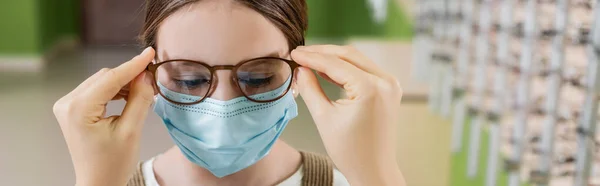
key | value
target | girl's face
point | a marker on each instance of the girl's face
(219, 32)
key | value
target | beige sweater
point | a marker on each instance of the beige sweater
(317, 171)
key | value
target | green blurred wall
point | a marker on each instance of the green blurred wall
(32, 26)
(59, 19)
(19, 27)
(342, 19)
(29, 27)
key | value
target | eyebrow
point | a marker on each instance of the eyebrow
(272, 54)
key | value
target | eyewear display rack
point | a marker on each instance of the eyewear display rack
(520, 81)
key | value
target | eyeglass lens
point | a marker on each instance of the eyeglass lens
(189, 82)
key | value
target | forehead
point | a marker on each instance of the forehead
(218, 32)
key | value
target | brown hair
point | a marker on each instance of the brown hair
(288, 15)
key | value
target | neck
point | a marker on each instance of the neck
(173, 168)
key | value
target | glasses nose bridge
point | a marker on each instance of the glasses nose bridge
(223, 67)
(228, 92)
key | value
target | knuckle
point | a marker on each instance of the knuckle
(109, 72)
(390, 86)
(350, 49)
(64, 106)
(64, 109)
(393, 81)
(71, 107)
(104, 70)
(370, 84)
(57, 108)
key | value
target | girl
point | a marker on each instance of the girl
(223, 75)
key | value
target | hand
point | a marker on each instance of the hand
(358, 131)
(103, 149)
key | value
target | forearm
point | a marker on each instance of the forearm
(386, 176)
(98, 184)
(101, 182)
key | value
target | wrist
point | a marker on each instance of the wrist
(97, 183)
(87, 183)
(94, 184)
(389, 175)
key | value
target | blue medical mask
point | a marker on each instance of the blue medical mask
(226, 136)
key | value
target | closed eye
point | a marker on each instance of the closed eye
(256, 82)
(190, 83)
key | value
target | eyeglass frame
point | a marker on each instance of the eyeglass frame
(152, 67)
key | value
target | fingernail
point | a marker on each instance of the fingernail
(307, 49)
(146, 51)
(301, 51)
(296, 52)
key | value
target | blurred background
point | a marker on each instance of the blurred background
(47, 47)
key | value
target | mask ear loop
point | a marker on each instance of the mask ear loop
(155, 100)
(294, 83)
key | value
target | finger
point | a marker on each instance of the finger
(339, 71)
(121, 94)
(328, 79)
(86, 83)
(312, 93)
(140, 97)
(114, 80)
(349, 54)
(126, 87)
(118, 97)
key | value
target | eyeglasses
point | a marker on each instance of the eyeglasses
(188, 82)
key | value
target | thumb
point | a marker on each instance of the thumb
(140, 97)
(311, 92)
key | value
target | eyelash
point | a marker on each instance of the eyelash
(248, 81)
(188, 83)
